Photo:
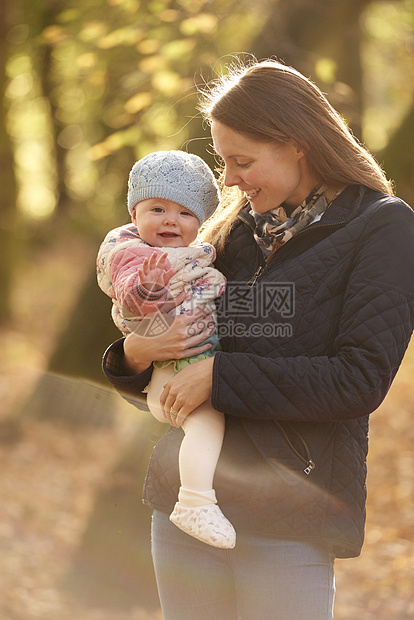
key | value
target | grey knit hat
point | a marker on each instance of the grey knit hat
(174, 175)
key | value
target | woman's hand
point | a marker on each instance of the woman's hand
(182, 337)
(186, 390)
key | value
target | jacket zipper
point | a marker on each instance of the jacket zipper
(256, 274)
(306, 460)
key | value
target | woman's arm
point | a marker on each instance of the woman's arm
(120, 375)
(374, 329)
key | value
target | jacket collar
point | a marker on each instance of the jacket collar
(346, 206)
(343, 209)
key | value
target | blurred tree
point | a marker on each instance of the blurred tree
(397, 158)
(7, 176)
(388, 48)
(322, 39)
(330, 40)
(40, 17)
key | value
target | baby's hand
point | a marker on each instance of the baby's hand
(152, 274)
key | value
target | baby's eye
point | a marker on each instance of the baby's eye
(187, 213)
(158, 209)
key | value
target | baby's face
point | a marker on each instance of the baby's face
(164, 223)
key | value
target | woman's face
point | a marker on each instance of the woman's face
(268, 173)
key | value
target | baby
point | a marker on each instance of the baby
(158, 263)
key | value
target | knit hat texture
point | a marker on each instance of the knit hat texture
(174, 175)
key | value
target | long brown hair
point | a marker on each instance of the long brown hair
(268, 101)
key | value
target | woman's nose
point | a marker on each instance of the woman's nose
(231, 178)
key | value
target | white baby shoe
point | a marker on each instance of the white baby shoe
(206, 523)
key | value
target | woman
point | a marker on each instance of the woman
(319, 258)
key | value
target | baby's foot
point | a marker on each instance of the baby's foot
(206, 523)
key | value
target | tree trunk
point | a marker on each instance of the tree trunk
(7, 178)
(397, 158)
(303, 32)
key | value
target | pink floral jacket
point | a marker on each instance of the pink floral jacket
(196, 282)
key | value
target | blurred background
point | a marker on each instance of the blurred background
(87, 88)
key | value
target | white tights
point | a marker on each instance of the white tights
(201, 445)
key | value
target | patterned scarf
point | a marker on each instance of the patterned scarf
(274, 227)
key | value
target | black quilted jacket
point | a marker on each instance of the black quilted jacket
(309, 351)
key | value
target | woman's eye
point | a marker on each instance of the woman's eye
(240, 165)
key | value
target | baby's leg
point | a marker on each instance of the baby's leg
(160, 376)
(204, 432)
(196, 511)
(200, 448)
